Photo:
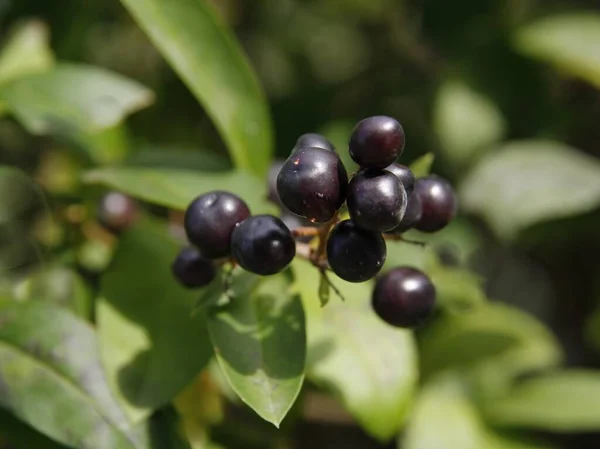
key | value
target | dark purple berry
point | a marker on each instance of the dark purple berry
(192, 270)
(313, 140)
(274, 170)
(313, 183)
(355, 254)
(117, 212)
(404, 297)
(376, 200)
(411, 216)
(404, 175)
(438, 203)
(210, 219)
(263, 245)
(377, 142)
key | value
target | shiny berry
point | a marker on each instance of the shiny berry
(404, 175)
(411, 216)
(404, 297)
(192, 270)
(117, 212)
(313, 140)
(376, 200)
(210, 219)
(274, 170)
(355, 254)
(263, 245)
(377, 142)
(312, 184)
(438, 203)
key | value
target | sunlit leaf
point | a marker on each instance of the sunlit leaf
(422, 165)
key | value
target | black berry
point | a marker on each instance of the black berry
(210, 219)
(192, 270)
(404, 297)
(262, 244)
(404, 175)
(312, 183)
(313, 140)
(438, 203)
(377, 142)
(376, 200)
(411, 216)
(274, 170)
(355, 254)
(117, 212)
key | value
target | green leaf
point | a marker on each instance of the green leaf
(209, 60)
(27, 51)
(260, 343)
(422, 165)
(523, 183)
(371, 366)
(151, 346)
(563, 401)
(178, 158)
(486, 332)
(49, 357)
(570, 42)
(21, 436)
(18, 194)
(72, 99)
(177, 188)
(465, 122)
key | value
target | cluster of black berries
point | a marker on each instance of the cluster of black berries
(383, 199)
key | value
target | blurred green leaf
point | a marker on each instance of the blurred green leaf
(72, 99)
(526, 182)
(260, 343)
(27, 51)
(422, 165)
(204, 52)
(151, 346)
(465, 122)
(162, 430)
(371, 366)
(178, 158)
(18, 194)
(457, 288)
(105, 147)
(177, 188)
(486, 332)
(563, 401)
(62, 286)
(21, 436)
(570, 42)
(49, 357)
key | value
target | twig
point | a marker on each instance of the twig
(400, 238)
(331, 284)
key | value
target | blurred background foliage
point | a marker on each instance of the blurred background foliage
(504, 93)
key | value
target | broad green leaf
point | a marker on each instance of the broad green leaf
(422, 165)
(486, 332)
(177, 188)
(59, 285)
(260, 343)
(27, 51)
(109, 146)
(523, 183)
(563, 401)
(178, 158)
(466, 122)
(21, 436)
(18, 194)
(151, 346)
(570, 42)
(205, 54)
(48, 356)
(72, 99)
(370, 366)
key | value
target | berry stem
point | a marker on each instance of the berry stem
(305, 232)
(331, 284)
(323, 233)
(400, 238)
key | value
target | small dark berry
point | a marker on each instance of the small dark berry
(313, 183)
(355, 254)
(263, 245)
(376, 200)
(210, 219)
(313, 140)
(405, 176)
(192, 270)
(117, 212)
(438, 203)
(377, 142)
(274, 170)
(404, 297)
(411, 216)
